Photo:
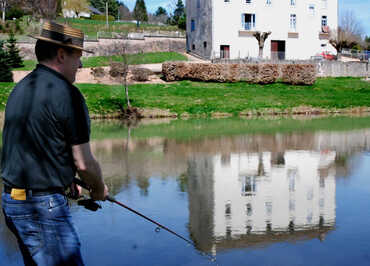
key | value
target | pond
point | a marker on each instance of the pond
(272, 191)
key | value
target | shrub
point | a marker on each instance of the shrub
(141, 74)
(267, 73)
(117, 69)
(5, 70)
(14, 12)
(299, 74)
(14, 59)
(102, 17)
(248, 73)
(97, 72)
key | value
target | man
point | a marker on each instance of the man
(45, 142)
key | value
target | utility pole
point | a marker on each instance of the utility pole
(106, 13)
(3, 8)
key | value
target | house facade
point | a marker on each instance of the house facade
(225, 28)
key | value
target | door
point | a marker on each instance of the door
(225, 51)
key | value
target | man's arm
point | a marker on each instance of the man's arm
(89, 170)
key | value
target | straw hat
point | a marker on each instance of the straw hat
(62, 35)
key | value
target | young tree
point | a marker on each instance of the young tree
(5, 70)
(179, 11)
(76, 6)
(140, 13)
(261, 38)
(14, 59)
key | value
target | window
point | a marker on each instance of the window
(228, 209)
(249, 185)
(193, 46)
(248, 1)
(292, 2)
(311, 9)
(324, 21)
(268, 207)
(249, 209)
(293, 22)
(248, 21)
(192, 26)
(198, 3)
(268, 2)
(226, 0)
(204, 45)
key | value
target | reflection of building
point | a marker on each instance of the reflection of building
(254, 198)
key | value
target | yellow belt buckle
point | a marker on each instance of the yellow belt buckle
(18, 194)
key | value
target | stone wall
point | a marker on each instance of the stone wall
(109, 46)
(342, 69)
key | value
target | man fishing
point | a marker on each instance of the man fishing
(45, 142)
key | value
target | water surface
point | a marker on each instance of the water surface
(278, 191)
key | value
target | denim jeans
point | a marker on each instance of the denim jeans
(44, 229)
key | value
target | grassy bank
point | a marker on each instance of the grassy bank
(199, 98)
(133, 59)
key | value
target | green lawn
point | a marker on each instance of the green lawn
(200, 98)
(133, 59)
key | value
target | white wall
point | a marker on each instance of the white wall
(275, 18)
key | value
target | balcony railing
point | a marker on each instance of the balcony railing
(249, 26)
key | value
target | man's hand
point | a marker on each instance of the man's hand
(74, 191)
(99, 194)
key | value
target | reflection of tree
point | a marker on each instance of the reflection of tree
(261, 168)
(143, 184)
(182, 182)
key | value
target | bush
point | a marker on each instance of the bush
(252, 73)
(141, 74)
(299, 74)
(97, 72)
(14, 59)
(117, 69)
(14, 12)
(267, 73)
(102, 17)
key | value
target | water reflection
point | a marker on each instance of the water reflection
(244, 191)
(248, 200)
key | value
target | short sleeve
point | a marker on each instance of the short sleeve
(76, 119)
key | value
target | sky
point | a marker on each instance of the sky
(361, 9)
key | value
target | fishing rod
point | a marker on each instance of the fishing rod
(92, 205)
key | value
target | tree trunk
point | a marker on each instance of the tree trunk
(260, 52)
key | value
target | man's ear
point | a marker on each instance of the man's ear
(60, 56)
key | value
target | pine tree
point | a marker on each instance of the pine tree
(5, 70)
(140, 13)
(179, 12)
(14, 59)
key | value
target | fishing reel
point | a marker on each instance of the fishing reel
(89, 204)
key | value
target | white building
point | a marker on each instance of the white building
(225, 28)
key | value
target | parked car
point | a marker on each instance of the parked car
(328, 55)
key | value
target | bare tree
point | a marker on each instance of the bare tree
(348, 34)
(261, 38)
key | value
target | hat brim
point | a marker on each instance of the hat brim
(61, 43)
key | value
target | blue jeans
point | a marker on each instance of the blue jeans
(44, 229)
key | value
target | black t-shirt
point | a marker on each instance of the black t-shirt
(45, 115)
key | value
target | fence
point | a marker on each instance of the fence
(361, 55)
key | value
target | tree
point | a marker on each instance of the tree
(5, 70)
(160, 11)
(124, 12)
(14, 59)
(76, 6)
(261, 38)
(140, 13)
(113, 6)
(367, 42)
(47, 8)
(348, 34)
(179, 12)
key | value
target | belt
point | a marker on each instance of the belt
(38, 192)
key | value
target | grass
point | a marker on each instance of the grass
(200, 98)
(133, 59)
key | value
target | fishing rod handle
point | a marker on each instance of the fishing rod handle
(87, 187)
